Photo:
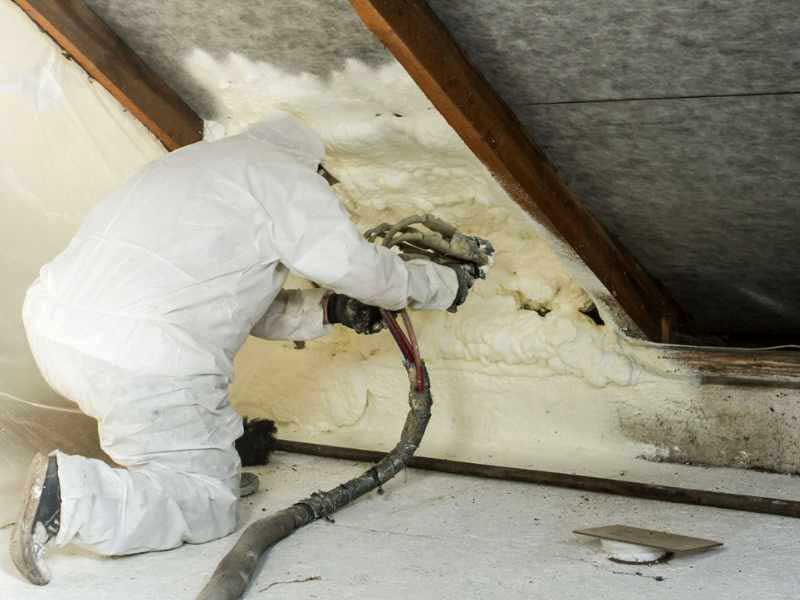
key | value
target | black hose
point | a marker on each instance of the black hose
(234, 573)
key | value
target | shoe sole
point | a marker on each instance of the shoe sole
(26, 552)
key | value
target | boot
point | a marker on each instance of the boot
(38, 521)
(248, 484)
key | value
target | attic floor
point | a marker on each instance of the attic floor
(441, 536)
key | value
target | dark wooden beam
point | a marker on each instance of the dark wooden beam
(106, 58)
(724, 366)
(633, 489)
(421, 43)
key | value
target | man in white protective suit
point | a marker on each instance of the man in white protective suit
(139, 319)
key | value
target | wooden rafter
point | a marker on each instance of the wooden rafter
(106, 58)
(423, 45)
(729, 366)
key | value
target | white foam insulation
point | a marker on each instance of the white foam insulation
(521, 375)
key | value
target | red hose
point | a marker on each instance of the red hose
(399, 337)
(407, 346)
(420, 372)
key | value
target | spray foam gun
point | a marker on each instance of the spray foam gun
(443, 244)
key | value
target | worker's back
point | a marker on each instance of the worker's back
(167, 274)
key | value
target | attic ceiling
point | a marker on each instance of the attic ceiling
(677, 125)
(314, 36)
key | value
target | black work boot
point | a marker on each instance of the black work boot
(38, 521)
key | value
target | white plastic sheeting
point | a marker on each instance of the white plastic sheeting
(64, 142)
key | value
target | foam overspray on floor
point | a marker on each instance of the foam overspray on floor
(520, 374)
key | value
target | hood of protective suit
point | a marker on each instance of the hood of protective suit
(289, 136)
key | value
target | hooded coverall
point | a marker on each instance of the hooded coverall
(139, 319)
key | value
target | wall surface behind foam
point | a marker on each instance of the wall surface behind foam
(64, 142)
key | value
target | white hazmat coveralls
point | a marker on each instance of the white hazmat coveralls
(139, 319)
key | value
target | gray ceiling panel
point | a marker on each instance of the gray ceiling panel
(704, 192)
(314, 36)
(535, 51)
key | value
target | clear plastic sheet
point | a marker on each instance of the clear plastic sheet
(63, 142)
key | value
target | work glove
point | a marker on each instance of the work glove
(467, 272)
(351, 313)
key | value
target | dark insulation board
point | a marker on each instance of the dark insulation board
(294, 35)
(704, 193)
(535, 51)
(676, 122)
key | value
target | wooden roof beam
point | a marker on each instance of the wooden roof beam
(422, 44)
(110, 61)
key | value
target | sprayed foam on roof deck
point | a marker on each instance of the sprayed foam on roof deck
(395, 155)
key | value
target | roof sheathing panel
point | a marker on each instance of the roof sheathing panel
(677, 125)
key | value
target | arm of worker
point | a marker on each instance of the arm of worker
(296, 315)
(314, 237)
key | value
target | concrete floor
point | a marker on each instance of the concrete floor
(440, 537)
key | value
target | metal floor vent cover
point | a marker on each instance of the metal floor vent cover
(635, 545)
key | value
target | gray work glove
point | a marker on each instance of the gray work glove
(351, 313)
(466, 273)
